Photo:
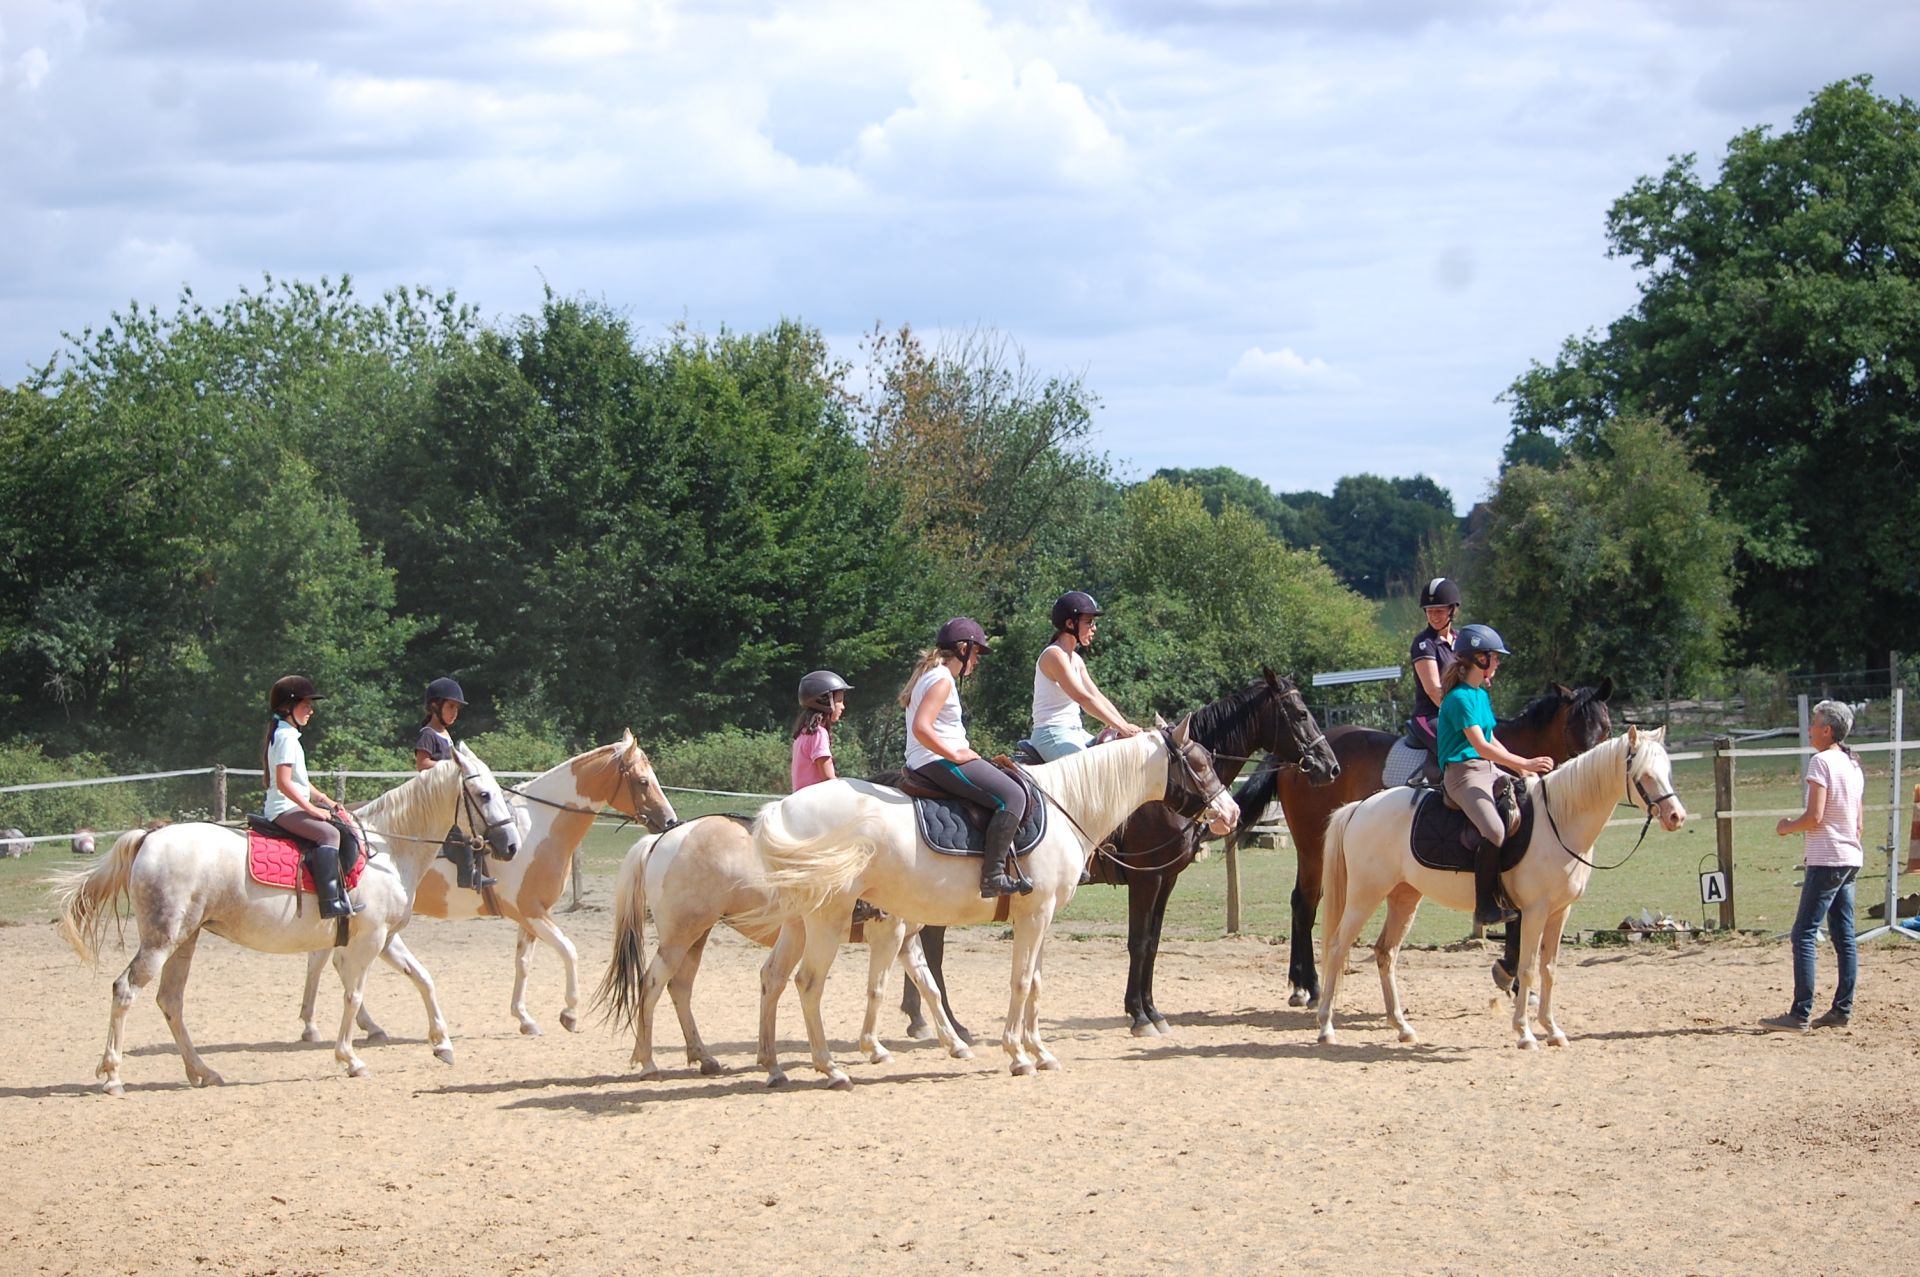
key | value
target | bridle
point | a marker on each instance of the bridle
(1104, 846)
(636, 790)
(1635, 784)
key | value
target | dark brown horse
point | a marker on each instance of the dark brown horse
(1148, 852)
(1560, 723)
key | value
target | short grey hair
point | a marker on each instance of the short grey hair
(1835, 714)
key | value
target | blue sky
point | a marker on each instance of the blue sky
(1301, 238)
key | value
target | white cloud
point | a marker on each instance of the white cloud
(1283, 372)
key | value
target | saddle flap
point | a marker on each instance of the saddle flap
(955, 827)
(1438, 831)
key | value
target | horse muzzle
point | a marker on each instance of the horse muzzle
(503, 843)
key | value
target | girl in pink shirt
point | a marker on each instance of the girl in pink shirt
(823, 699)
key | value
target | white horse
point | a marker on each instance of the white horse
(833, 843)
(183, 879)
(554, 811)
(1369, 860)
(694, 877)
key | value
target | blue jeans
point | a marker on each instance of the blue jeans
(1057, 742)
(1826, 893)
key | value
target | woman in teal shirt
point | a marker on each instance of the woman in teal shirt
(1469, 753)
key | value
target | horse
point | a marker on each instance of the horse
(555, 810)
(1369, 859)
(832, 843)
(693, 877)
(183, 879)
(1560, 723)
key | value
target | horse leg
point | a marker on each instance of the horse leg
(885, 936)
(556, 939)
(668, 954)
(1042, 1057)
(352, 966)
(1029, 938)
(1140, 890)
(1549, 951)
(172, 996)
(933, 940)
(1402, 903)
(146, 964)
(1306, 908)
(681, 987)
(1344, 931)
(1156, 918)
(826, 927)
(1532, 924)
(774, 974)
(914, 958)
(309, 1027)
(522, 968)
(401, 959)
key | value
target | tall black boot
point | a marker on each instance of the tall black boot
(994, 880)
(324, 864)
(1487, 910)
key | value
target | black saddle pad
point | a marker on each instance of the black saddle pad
(351, 848)
(955, 827)
(1437, 830)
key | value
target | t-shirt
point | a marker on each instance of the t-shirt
(1836, 840)
(808, 749)
(285, 748)
(947, 727)
(1463, 707)
(436, 744)
(1429, 646)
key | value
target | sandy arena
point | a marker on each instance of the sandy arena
(1672, 1137)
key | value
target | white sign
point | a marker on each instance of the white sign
(1713, 888)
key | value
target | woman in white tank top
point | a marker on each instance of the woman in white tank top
(1062, 688)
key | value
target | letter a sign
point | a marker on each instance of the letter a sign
(1713, 888)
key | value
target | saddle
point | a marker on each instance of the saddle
(955, 827)
(1414, 758)
(1443, 838)
(275, 857)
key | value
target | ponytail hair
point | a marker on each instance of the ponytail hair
(927, 659)
(266, 749)
(807, 720)
(1455, 675)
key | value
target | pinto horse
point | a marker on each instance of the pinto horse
(1369, 859)
(185, 879)
(1560, 723)
(556, 809)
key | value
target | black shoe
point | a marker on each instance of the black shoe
(994, 879)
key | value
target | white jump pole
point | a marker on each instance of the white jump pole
(1894, 850)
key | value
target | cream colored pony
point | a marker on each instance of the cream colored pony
(1369, 860)
(833, 843)
(185, 879)
(555, 810)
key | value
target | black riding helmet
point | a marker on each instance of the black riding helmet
(1440, 592)
(817, 689)
(290, 691)
(445, 689)
(1072, 605)
(962, 629)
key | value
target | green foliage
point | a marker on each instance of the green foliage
(52, 811)
(741, 761)
(1778, 328)
(1615, 564)
(520, 747)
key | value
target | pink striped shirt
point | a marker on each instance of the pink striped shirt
(1835, 841)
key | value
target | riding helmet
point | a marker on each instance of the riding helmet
(1072, 604)
(445, 689)
(961, 629)
(817, 689)
(1476, 639)
(1440, 592)
(290, 691)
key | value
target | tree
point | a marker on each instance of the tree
(1778, 329)
(1614, 564)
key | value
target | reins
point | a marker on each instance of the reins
(1645, 828)
(1104, 846)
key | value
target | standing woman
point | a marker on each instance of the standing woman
(1062, 688)
(434, 744)
(1469, 753)
(823, 699)
(1833, 822)
(938, 753)
(294, 803)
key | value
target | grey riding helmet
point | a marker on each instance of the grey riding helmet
(817, 689)
(1478, 640)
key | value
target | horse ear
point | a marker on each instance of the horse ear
(1603, 690)
(1273, 680)
(1659, 733)
(1561, 690)
(1159, 722)
(1181, 732)
(1633, 736)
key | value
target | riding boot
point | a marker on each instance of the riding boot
(324, 864)
(994, 879)
(1487, 909)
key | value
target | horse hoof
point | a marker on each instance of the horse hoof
(1409, 1036)
(920, 1031)
(776, 1079)
(1529, 1043)
(377, 1038)
(1145, 1029)
(961, 1052)
(444, 1054)
(569, 1021)
(528, 1029)
(1326, 1037)
(879, 1055)
(839, 1082)
(1049, 1062)
(1161, 1026)
(710, 1068)
(114, 1088)
(311, 1034)
(1023, 1068)
(358, 1070)
(1557, 1039)
(1299, 998)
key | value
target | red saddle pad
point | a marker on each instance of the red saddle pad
(273, 862)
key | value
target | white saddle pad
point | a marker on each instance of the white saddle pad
(1403, 764)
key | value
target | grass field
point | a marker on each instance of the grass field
(1662, 876)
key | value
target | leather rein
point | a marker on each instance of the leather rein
(1637, 785)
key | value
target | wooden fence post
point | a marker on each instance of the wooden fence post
(219, 792)
(1723, 819)
(1233, 887)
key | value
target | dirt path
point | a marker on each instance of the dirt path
(1671, 1137)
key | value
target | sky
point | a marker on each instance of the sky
(1301, 238)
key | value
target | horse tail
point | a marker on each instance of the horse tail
(618, 997)
(1254, 797)
(1333, 859)
(84, 896)
(805, 871)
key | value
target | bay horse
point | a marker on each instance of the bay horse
(555, 810)
(692, 878)
(1369, 860)
(842, 840)
(184, 879)
(1560, 723)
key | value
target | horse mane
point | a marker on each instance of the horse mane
(1212, 724)
(416, 804)
(1538, 713)
(1595, 778)
(1092, 780)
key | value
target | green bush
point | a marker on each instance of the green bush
(57, 811)
(745, 762)
(516, 747)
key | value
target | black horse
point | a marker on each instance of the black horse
(1147, 853)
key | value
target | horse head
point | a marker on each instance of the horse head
(641, 797)
(1302, 744)
(1193, 787)
(484, 811)
(1650, 777)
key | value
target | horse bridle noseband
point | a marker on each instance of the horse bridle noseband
(1104, 846)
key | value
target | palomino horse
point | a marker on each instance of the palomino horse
(1369, 860)
(556, 809)
(833, 843)
(692, 878)
(183, 879)
(1559, 724)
